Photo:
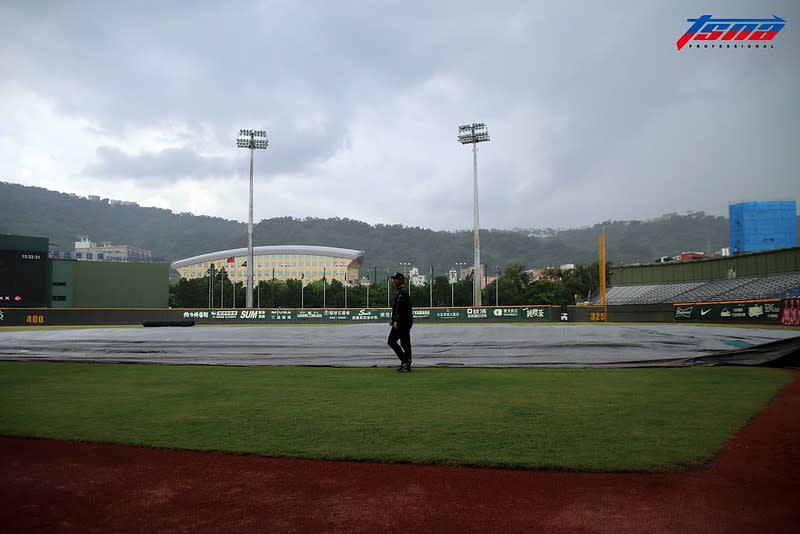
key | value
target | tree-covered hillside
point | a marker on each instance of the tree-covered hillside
(64, 218)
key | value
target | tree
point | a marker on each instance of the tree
(240, 291)
(582, 281)
(545, 291)
(419, 295)
(357, 296)
(377, 294)
(441, 291)
(269, 293)
(462, 292)
(189, 293)
(335, 294)
(512, 284)
(555, 287)
(290, 293)
(313, 294)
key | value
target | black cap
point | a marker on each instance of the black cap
(401, 276)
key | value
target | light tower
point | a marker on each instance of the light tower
(252, 139)
(475, 133)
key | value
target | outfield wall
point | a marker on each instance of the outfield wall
(102, 284)
(772, 311)
(748, 312)
(126, 316)
(639, 313)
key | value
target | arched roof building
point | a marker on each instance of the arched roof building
(281, 262)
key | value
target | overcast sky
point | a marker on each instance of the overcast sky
(593, 113)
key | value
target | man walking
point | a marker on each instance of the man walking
(402, 320)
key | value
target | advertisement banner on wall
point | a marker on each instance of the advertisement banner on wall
(723, 312)
(91, 316)
(753, 312)
(790, 315)
(490, 314)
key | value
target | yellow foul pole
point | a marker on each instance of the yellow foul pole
(602, 247)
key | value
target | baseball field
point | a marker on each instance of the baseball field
(565, 419)
(99, 447)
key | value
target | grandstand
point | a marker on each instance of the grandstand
(743, 288)
(766, 275)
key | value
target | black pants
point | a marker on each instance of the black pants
(403, 333)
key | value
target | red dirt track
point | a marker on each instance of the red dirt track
(754, 486)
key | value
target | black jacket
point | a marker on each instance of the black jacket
(401, 308)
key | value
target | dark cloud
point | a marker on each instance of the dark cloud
(586, 103)
(170, 163)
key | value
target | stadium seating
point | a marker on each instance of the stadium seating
(667, 292)
(715, 290)
(627, 294)
(740, 288)
(768, 286)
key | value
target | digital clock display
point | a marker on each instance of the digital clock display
(23, 278)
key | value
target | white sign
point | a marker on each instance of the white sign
(535, 312)
(224, 314)
(253, 314)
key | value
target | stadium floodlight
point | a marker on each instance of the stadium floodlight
(473, 134)
(252, 139)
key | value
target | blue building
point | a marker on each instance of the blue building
(759, 226)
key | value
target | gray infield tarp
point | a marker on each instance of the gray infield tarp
(364, 345)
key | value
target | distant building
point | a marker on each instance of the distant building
(760, 226)
(280, 262)
(86, 250)
(452, 276)
(415, 278)
(691, 256)
(534, 274)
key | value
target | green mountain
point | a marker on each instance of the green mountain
(170, 236)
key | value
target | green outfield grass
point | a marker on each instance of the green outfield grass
(575, 419)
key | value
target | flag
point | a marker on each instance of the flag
(231, 259)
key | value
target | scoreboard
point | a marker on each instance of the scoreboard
(23, 278)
